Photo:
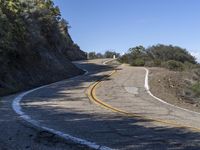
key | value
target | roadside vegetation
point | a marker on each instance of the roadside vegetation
(196, 88)
(35, 45)
(168, 56)
(107, 54)
(182, 75)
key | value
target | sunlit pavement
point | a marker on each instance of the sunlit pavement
(65, 107)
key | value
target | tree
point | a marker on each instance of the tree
(110, 54)
(99, 55)
(29, 26)
(169, 52)
(137, 52)
(92, 55)
(158, 54)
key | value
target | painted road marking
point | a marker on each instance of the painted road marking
(17, 108)
(146, 85)
(92, 96)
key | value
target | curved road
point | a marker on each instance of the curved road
(65, 107)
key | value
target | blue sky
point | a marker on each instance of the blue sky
(99, 25)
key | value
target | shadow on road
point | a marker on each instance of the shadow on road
(117, 131)
(64, 107)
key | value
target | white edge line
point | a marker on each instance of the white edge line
(105, 62)
(149, 92)
(17, 108)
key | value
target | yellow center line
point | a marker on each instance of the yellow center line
(91, 93)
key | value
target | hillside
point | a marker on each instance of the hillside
(181, 88)
(35, 46)
(174, 73)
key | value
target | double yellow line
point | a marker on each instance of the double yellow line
(91, 93)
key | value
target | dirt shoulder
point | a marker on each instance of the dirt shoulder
(171, 87)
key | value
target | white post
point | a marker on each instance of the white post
(114, 56)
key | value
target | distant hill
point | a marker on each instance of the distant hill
(35, 46)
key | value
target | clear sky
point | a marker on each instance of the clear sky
(99, 25)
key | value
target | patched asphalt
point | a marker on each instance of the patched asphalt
(65, 107)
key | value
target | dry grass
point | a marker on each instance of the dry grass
(176, 87)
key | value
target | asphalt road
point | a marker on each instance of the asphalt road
(65, 107)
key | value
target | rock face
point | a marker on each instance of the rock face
(35, 46)
(31, 73)
(28, 71)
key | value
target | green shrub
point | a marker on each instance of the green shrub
(196, 88)
(189, 66)
(174, 65)
(138, 62)
(169, 52)
(124, 58)
(157, 62)
(149, 63)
